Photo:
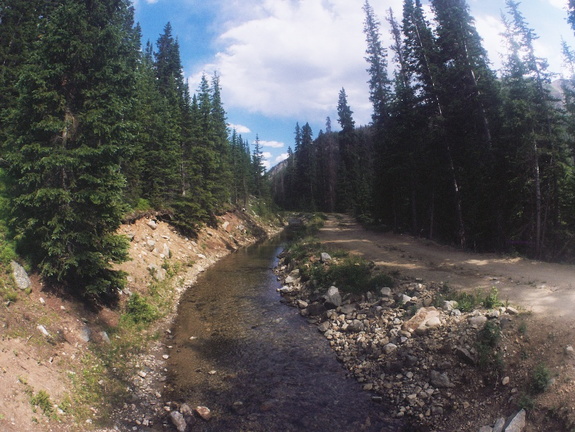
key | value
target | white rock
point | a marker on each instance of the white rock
(517, 424)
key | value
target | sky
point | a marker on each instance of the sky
(283, 62)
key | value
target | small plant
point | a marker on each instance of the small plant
(139, 311)
(540, 378)
(466, 301)
(487, 341)
(42, 401)
(526, 402)
(522, 329)
(492, 299)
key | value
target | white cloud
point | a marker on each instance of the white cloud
(281, 157)
(266, 155)
(559, 4)
(291, 58)
(239, 128)
(272, 144)
(491, 28)
(266, 164)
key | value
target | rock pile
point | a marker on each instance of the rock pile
(405, 345)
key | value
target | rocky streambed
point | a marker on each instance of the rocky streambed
(440, 369)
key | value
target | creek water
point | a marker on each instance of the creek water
(255, 362)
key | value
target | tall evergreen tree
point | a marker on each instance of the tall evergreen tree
(376, 56)
(66, 142)
(531, 122)
(348, 168)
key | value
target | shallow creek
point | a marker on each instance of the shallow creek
(255, 362)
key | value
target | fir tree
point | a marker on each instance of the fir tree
(66, 143)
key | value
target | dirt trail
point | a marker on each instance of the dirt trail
(547, 289)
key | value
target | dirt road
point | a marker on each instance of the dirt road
(543, 288)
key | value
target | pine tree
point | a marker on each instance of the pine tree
(19, 24)
(66, 143)
(348, 167)
(531, 121)
(466, 91)
(258, 169)
(376, 57)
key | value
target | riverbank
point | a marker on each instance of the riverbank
(444, 358)
(68, 367)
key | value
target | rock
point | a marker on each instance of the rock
(291, 279)
(225, 225)
(569, 351)
(302, 304)
(43, 330)
(151, 245)
(440, 380)
(20, 276)
(166, 251)
(324, 326)
(178, 421)
(315, 309)
(332, 298)
(486, 429)
(511, 310)
(355, 326)
(385, 292)
(517, 423)
(152, 224)
(325, 257)
(389, 348)
(403, 299)
(449, 305)
(105, 337)
(157, 272)
(423, 320)
(347, 309)
(477, 321)
(493, 313)
(465, 355)
(499, 425)
(85, 334)
(505, 381)
(204, 413)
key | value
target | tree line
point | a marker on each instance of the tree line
(454, 151)
(93, 128)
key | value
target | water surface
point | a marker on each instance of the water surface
(255, 362)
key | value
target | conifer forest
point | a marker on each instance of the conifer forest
(96, 124)
(95, 127)
(455, 152)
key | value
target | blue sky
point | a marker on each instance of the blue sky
(285, 61)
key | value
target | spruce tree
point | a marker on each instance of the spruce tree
(66, 142)
(532, 125)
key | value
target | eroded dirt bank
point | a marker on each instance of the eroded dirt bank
(48, 340)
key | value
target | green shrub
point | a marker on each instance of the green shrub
(540, 379)
(139, 311)
(42, 401)
(466, 301)
(492, 299)
(526, 402)
(487, 341)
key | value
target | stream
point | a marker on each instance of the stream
(255, 362)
